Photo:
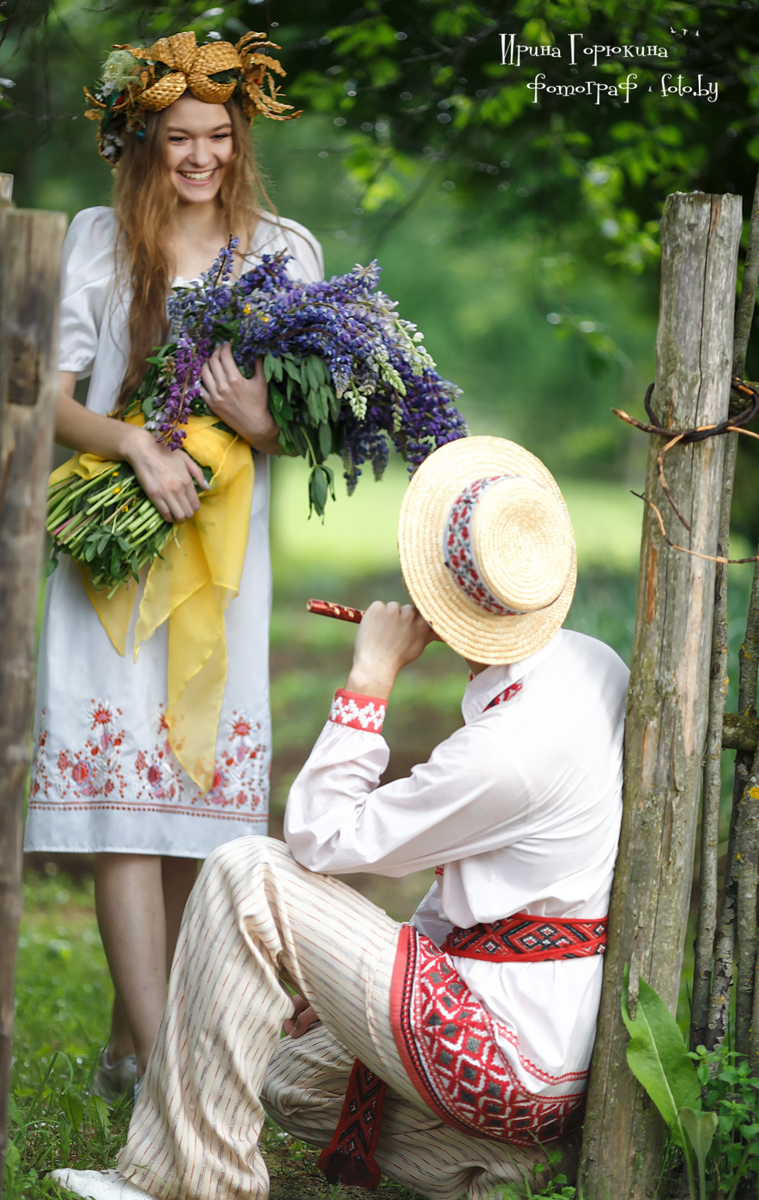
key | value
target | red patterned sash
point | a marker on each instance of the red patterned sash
(526, 938)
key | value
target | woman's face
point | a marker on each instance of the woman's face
(199, 147)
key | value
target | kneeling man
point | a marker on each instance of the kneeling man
(452, 1051)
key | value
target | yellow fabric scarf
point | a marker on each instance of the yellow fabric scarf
(190, 588)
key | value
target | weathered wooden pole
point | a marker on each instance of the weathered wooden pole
(668, 695)
(6, 187)
(712, 974)
(30, 257)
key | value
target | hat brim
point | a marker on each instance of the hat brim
(475, 634)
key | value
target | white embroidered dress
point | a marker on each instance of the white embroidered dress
(104, 777)
(521, 809)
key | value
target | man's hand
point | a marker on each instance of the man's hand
(388, 638)
(241, 403)
(302, 1019)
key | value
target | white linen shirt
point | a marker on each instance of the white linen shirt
(522, 807)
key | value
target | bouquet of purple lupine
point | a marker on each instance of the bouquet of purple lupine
(346, 376)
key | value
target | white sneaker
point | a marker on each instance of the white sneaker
(111, 1080)
(98, 1185)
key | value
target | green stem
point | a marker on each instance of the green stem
(689, 1168)
(738, 1175)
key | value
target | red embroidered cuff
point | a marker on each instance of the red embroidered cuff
(358, 712)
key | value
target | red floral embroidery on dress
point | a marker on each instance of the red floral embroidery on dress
(241, 775)
(240, 781)
(94, 771)
(158, 773)
(458, 551)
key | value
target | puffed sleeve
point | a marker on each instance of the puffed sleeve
(87, 282)
(280, 233)
(307, 263)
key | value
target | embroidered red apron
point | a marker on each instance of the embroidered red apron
(446, 1041)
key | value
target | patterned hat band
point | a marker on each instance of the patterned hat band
(512, 553)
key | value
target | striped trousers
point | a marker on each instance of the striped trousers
(219, 1060)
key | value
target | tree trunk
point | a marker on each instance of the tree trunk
(669, 683)
(740, 733)
(704, 966)
(30, 257)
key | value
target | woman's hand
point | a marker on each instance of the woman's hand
(168, 477)
(388, 638)
(241, 403)
(302, 1019)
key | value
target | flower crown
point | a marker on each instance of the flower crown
(137, 80)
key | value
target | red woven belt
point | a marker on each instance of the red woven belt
(525, 938)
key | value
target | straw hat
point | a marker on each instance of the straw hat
(487, 549)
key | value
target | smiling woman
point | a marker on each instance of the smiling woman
(198, 150)
(152, 762)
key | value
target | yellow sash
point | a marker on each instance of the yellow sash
(190, 588)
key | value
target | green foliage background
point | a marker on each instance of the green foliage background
(522, 237)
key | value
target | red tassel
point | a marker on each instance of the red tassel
(349, 1158)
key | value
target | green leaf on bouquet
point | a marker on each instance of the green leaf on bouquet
(225, 331)
(280, 409)
(315, 371)
(325, 440)
(321, 485)
(292, 368)
(333, 402)
(658, 1057)
(273, 368)
(317, 409)
(320, 369)
(161, 353)
(299, 440)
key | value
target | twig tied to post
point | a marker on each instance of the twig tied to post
(684, 437)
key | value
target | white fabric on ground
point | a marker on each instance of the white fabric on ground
(97, 1185)
(104, 777)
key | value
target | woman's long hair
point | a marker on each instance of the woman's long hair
(145, 202)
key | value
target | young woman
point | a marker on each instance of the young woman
(105, 778)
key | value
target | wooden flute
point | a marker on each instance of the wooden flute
(340, 612)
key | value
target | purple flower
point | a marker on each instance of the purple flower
(379, 385)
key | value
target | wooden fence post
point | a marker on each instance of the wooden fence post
(30, 267)
(669, 683)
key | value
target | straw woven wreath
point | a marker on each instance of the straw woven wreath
(487, 549)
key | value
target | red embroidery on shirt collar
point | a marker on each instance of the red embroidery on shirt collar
(505, 695)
